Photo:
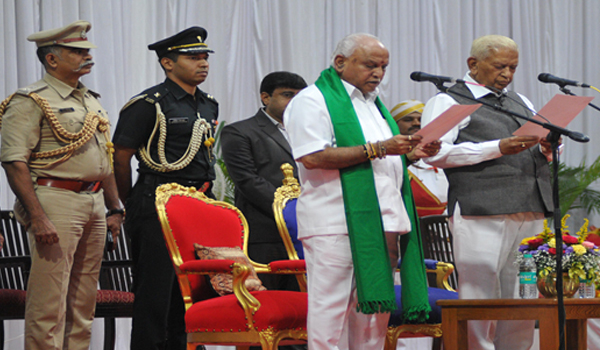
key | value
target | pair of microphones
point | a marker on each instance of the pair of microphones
(543, 77)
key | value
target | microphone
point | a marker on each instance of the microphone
(436, 79)
(549, 78)
(577, 136)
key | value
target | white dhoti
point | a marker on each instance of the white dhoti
(484, 251)
(333, 321)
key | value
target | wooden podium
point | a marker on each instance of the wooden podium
(456, 313)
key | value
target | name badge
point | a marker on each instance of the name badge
(178, 120)
(66, 110)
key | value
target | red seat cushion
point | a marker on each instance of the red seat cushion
(106, 296)
(12, 303)
(279, 309)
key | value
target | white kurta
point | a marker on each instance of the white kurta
(309, 127)
(484, 246)
(333, 322)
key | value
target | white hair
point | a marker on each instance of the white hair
(349, 44)
(483, 46)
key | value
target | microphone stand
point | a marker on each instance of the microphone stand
(553, 137)
(568, 92)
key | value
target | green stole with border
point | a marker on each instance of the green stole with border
(375, 287)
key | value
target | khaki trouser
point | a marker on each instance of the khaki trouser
(62, 287)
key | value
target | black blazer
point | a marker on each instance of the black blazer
(254, 150)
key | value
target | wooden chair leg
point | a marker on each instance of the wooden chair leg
(109, 333)
(437, 344)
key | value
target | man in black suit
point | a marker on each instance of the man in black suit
(253, 151)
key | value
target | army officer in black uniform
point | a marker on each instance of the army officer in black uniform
(184, 156)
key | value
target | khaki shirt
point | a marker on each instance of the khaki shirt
(26, 130)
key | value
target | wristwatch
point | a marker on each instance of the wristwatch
(115, 211)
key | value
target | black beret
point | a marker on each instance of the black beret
(189, 41)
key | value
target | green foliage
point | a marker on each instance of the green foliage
(574, 187)
(224, 188)
(228, 192)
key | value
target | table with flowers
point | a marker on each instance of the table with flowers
(581, 261)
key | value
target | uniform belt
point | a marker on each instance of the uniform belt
(155, 180)
(71, 185)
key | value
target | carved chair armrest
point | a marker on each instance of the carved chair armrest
(205, 267)
(442, 271)
(240, 273)
(291, 267)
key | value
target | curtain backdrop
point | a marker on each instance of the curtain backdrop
(254, 37)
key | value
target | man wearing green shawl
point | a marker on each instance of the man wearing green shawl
(355, 197)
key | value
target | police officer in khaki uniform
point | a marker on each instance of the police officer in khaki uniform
(169, 129)
(56, 152)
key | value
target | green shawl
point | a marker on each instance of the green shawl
(374, 280)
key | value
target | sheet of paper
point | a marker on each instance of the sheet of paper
(446, 121)
(560, 111)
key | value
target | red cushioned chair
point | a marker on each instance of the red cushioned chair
(15, 264)
(263, 318)
(113, 300)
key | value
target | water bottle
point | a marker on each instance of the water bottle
(527, 278)
(587, 289)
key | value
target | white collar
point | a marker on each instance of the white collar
(273, 120)
(479, 91)
(354, 91)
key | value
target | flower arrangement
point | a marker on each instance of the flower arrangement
(581, 257)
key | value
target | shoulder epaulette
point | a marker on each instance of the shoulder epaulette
(133, 100)
(210, 97)
(94, 93)
(40, 85)
(155, 94)
(152, 95)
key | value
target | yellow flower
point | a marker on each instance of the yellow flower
(525, 241)
(565, 228)
(552, 243)
(583, 231)
(579, 249)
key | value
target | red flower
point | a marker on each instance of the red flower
(569, 239)
(535, 243)
(553, 251)
(594, 239)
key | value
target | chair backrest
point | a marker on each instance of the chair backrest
(15, 261)
(437, 242)
(284, 209)
(117, 266)
(187, 217)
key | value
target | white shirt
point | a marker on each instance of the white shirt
(279, 126)
(320, 208)
(464, 153)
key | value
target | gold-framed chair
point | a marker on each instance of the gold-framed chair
(259, 318)
(284, 210)
(433, 328)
